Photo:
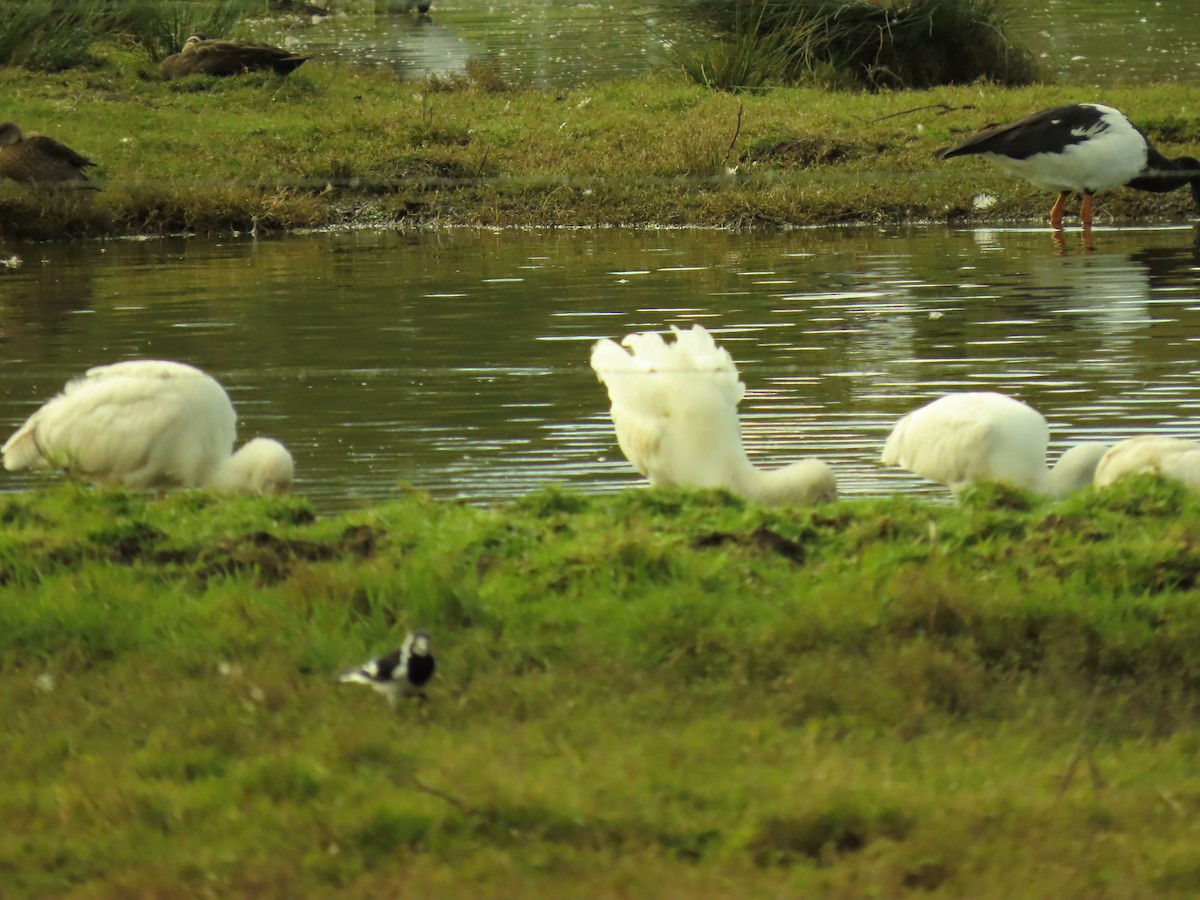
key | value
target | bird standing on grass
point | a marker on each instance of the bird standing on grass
(1081, 148)
(401, 673)
(147, 424)
(41, 161)
(201, 56)
(964, 438)
(674, 408)
(1173, 458)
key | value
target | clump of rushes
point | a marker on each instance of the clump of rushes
(869, 44)
(161, 26)
(44, 36)
(47, 36)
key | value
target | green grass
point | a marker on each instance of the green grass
(330, 146)
(650, 694)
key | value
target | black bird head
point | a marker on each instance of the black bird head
(418, 659)
(1191, 164)
(1162, 175)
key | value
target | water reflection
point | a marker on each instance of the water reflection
(47, 292)
(544, 43)
(551, 43)
(457, 361)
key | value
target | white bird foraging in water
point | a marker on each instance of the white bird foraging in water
(1170, 457)
(148, 424)
(961, 439)
(401, 673)
(674, 408)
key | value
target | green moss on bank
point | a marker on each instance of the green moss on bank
(649, 694)
(334, 145)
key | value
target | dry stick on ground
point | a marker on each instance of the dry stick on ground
(1172, 801)
(1083, 747)
(733, 140)
(456, 802)
(944, 107)
(483, 162)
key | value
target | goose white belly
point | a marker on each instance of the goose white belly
(1108, 160)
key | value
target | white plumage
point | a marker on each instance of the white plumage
(147, 424)
(960, 439)
(674, 408)
(1170, 457)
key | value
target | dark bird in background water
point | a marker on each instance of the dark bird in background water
(299, 7)
(401, 673)
(41, 161)
(1081, 148)
(200, 56)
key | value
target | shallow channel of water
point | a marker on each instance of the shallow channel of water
(457, 361)
(554, 43)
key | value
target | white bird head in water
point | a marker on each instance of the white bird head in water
(674, 409)
(1172, 458)
(974, 436)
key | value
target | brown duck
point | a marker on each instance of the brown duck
(200, 56)
(41, 161)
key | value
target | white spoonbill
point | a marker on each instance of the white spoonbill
(963, 438)
(147, 424)
(1170, 457)
(674, 408)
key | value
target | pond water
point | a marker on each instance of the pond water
(457, 361)
(557, 43)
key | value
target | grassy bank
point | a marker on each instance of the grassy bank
(333, 145)
(649, 694)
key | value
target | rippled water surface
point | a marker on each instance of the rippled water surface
(457, 362)
(567, 44)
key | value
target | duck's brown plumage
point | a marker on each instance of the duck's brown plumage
(41, 161)
(200, 56)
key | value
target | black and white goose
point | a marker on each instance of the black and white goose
(401, 673)
(1081, 148)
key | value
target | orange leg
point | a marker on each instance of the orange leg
(1085, 211)
(1056, 210)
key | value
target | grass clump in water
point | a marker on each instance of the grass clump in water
(855, 43)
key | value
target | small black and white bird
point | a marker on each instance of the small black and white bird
(1080, 148)
(401, 673)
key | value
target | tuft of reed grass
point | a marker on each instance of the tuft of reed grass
(160, 27)
(42, 35)
(871, 44)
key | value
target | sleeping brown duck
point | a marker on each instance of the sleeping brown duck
(41, 161)
(200, 56)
